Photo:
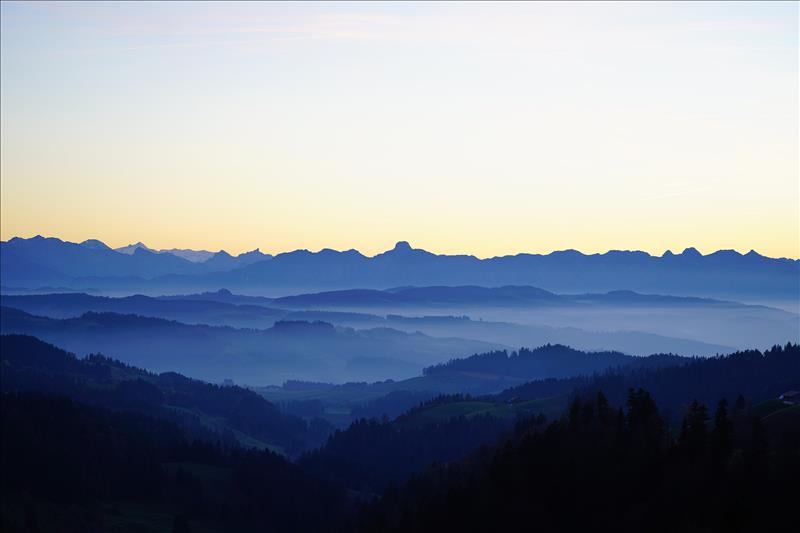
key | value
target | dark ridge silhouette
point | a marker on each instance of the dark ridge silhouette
(192, 311)
(470, 295)
(456, 457)
(224, 296)
(551, 361)
(481, 374)
(711, 325)
(424, 296)
(72, 467)
(479, 420)
(227, 413)
(509, 384)
(294, 327)
(602, 467)
(756, 375)
(372, 454)
(294, 350)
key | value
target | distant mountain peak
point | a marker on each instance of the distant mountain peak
(140, 250)
(131, 248)
(726, 253)
(195, 256)
(36, 239)
(570, 252)
(50, 262)
(404, 251)
(256, 251)
(253, 256)
(95, 244)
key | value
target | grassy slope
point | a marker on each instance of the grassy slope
(470, 408)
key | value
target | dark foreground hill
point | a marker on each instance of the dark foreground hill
(756, 375)
(226, 413)
(120, 464)
(479, 374)
(672, 381)
(601, 468)
(548, 361)
(69, 467)
(434, 431)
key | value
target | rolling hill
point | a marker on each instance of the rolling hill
(287, 350)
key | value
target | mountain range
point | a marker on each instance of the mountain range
(213, 261)
(41, 261)
(46, 260)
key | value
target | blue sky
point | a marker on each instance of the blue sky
(483, 128)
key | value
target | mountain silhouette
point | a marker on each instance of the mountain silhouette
(50, 261)
(222, 260)
(195, 256)
(722, 274)
(132, 248)
(95, 244)
(725, 274)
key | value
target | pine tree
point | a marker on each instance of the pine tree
(722, 435)
(694, 434)
(180, 524)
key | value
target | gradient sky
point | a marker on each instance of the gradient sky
(471, 128)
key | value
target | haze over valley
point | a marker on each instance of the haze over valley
(399, 267)
(372, 334)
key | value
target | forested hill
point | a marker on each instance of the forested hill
(549, 360)
(754, 374)
(607, 469)
(69, 467)
(227, 413)
(371, 454)
(137, 446)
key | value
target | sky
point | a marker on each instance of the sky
(480, 128)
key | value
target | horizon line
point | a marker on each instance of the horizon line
(405, 243)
